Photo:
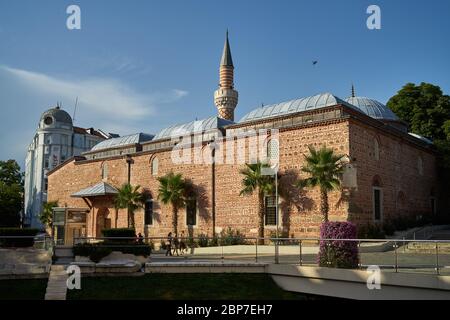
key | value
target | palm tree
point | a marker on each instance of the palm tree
(172, 190)
(46, 216)
(131, 199)
(324, 168)
(255, 181)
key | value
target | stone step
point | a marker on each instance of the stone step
(57, 283)
(55, 297)
(57, 268)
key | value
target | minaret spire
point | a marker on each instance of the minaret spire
(226, 55)
(353, 91)
(225, 97)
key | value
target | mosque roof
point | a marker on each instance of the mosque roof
(303, 104)
(372, 108)
(192, 127)
(123, 141)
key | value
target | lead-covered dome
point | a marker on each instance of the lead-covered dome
(56, 114)
(373, 108)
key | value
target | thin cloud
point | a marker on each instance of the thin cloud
(104, 103)
(105, 96)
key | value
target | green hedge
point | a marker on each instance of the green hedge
(17, 242)
(97, 251)
(119, 233)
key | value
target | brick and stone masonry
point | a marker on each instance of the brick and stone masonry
(380, 156)
(393, 166)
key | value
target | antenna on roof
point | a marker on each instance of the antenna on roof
(75, 110)
(353, 91)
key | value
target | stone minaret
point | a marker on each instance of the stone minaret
(225, 97)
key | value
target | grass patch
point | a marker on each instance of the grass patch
(184, 287)
(23, 289)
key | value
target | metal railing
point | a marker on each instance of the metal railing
(385, 253)
(37, 242)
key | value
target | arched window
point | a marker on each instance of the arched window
(273, 151)
(148, 212)
(104, 171)
(420, 165)
(376, 149)
(377, 196)
(154, 166)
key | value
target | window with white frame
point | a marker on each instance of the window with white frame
(104, 171)
(377, 204)
(154, 166)
(270, 211)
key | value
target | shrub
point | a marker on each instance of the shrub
(203, 240)
(191, 243)
(283, 234)
(231, 237)
(119, 233)
(17, 242)
(137, 250)
(338, 254)
(214, 242)
(98, 251)
(370, 231)
(388, 228)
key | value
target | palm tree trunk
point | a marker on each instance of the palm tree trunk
(324, 204)
(175, 221)
(261, 218)
(131, 213)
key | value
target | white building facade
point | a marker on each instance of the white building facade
(55, 141)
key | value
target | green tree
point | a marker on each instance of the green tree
(255, 181)
(46, 215)
(11, 193)
(173, 190)
(324, 169)
(131, 199)
(425, 108)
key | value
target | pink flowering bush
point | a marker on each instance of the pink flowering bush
(335, 253)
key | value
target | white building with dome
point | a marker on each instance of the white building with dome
(56, 140)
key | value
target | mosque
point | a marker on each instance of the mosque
(389, 172)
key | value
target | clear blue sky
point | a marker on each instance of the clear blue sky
(143, 65)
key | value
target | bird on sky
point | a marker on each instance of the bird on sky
(314, 62)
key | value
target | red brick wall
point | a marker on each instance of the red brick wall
(299, 210)
(396, 170)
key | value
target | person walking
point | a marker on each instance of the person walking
(169, 244)
(140, 238)
(182, 243)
